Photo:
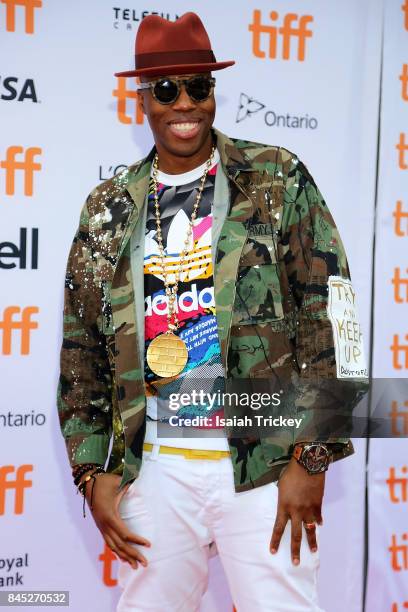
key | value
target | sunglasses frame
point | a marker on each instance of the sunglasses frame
(179, 81)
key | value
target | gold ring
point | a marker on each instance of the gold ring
(310, 526)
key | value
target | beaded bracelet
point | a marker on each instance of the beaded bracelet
(82, 487)
(81, 470)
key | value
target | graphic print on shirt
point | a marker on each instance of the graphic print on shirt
(195, 304)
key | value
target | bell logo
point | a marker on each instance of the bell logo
(28, 6)
(286, 32)
(28, 165)
(25, 325)
(123, 95)
(107, 558)
(18, 485)
(10, 251)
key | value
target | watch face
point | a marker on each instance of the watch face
(316, 458)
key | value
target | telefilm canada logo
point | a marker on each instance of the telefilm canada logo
(130, 18)
(249, 107)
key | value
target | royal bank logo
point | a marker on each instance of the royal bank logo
(13, 88)
(130, 18)
(249, 107)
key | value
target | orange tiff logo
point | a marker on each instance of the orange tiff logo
(399, 552)
(286, 33)
(403, 77)
(123, 95)
(107, 558)
(24, 324)
(399, 351)
(400, 286)
(404, 8)
(404, 604)
(18, 484)
(28, 6)
(399, 214)
(398, 485)
(27, 165)
(402, 148)
(399, 418)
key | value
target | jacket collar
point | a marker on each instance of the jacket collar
(233, 159)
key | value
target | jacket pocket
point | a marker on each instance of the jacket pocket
(258, 291)
(258, 296)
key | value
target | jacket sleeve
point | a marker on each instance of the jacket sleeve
(332, 375)
(85, 381)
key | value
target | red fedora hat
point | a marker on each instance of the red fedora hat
(165, 47)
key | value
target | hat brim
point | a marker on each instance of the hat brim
(175, 69)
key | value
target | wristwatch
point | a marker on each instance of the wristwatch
(315, 457)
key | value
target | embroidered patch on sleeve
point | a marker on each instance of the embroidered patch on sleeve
(347, 333)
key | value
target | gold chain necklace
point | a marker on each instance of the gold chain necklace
(167, 353)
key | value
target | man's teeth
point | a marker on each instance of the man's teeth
(184, 127)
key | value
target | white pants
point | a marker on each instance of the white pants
(181, 506)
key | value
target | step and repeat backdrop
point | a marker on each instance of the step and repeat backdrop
(388, 465)
(307, 77)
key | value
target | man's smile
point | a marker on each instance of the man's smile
(184, 129)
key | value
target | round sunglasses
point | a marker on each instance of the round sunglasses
(167, 90)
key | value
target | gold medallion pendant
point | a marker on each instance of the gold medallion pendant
(167, 355)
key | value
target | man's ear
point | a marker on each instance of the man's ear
(140, 101)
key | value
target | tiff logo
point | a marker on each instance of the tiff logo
(123, 95)
(27, 165)
(24, 324)
(18, 485)
(10, 251)
(287, 32)
(28, 6)
(107, 558)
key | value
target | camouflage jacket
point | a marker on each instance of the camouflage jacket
(276, 248)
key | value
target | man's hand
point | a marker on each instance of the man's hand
(105, 512)
(300, 500)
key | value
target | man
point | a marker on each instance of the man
(211, 260)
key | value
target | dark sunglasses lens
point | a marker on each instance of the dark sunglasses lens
(166, 91)
(199, 88)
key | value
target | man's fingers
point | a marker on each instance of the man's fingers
(119, 526)
(128, 536)
(121, 556)
(278, 529)
(318, 516)
(296, 538)
(311, 534)
(127, 549)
